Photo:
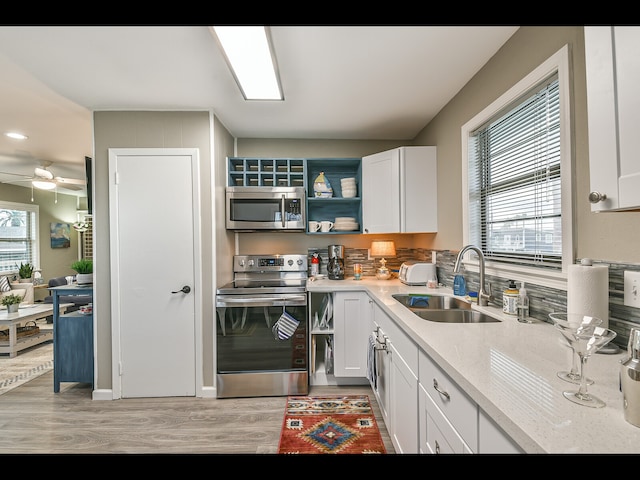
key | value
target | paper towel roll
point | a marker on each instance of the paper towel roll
(588, 291)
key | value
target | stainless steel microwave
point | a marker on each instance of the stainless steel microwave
(265, 208)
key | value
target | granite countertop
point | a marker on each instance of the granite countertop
(509, 369)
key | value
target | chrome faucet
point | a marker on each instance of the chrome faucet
(484, 297)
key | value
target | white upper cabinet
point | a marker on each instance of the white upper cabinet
(400, 191)
(613, 102)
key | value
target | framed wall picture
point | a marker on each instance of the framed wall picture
(60, 235)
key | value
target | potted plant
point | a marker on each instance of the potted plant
(11, 301)
(84, 269)
(25, 271)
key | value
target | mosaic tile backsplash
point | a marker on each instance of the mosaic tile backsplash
(542, 300)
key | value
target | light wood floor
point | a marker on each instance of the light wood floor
(34, 420)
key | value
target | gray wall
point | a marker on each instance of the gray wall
(603, 236)
(148, 130)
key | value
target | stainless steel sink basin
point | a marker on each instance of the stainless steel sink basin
(455, 316)
(440, 308)
(431, 302)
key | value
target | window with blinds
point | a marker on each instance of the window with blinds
(514, 182)
(18, 236)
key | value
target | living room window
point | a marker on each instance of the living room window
(517, 177)
(19, 239)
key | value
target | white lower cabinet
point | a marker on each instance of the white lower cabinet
(351, 316)
(437, 435)
(338, 341)
(492, 438)
(448, 416)
(397, 383)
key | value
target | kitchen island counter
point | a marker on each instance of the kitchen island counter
(509, 369)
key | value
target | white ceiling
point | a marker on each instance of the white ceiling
(339, 82)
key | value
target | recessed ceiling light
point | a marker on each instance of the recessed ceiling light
(17, 136)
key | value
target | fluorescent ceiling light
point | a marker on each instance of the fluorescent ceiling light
(44, 184)
(252, 62)
(17, 136)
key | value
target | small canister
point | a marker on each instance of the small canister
(510, 299)
(630, 380)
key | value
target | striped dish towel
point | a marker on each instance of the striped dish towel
(284, 328)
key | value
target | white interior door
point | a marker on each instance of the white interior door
(154, 222)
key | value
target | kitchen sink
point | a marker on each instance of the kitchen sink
(431, 302)
(440, 308)
(455, 316)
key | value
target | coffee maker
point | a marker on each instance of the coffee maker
(335, 267)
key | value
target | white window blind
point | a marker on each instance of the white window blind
(18, 236)
(514, 180)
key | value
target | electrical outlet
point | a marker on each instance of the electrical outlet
(632, 289)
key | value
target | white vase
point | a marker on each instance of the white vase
(84, 278)
(13, 308)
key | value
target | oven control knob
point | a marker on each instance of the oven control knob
(251, 263)
(299, 262)
(241, 263)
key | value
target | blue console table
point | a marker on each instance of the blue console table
(72, 340)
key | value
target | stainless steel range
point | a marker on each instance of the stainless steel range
(262, 334)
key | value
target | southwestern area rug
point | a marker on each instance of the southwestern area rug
(330, 425)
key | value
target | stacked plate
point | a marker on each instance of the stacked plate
(345, 224)
(348, 185)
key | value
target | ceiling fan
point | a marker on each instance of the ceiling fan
(45, 179)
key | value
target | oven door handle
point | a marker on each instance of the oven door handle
(261, 300)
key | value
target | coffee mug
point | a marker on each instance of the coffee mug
(314, 226)
(326, 226)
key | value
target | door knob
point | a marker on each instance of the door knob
(185, 289)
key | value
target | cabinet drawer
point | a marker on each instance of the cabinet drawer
(439, 434)
(453, 402)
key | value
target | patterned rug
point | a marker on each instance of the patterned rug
(25, 366)
(330, 424)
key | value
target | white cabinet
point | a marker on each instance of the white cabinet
(400, 193)
(351, 316)
(397, 391)
(338, 345)
(492, 439)
(448, 416)
(613, 103)
(437, 435)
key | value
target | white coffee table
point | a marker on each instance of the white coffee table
(25, 314)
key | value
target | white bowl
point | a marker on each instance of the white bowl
(349, 193)
(345, 220)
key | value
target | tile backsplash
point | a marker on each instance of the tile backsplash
(542, 300)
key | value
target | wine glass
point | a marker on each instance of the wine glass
(585, 344)
(568, 324)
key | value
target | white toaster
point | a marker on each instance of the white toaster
(416, 273)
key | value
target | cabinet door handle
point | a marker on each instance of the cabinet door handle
(437, 447)
(595, 197)
(439, 390)
(185, 289)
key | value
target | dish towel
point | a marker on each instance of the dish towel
(371, 361)
(284, 328)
